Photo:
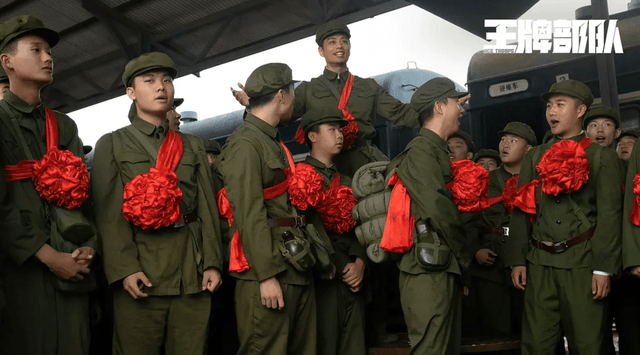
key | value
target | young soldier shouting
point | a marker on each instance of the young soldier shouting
(338, 296)
(602, 125)
(45, 277)
(157, 218)
(564, 241)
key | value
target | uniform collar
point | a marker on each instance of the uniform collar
(578, 138)
(148, 128)
(19, 104)
(318, 164)
(504, 172)
(436, 139)
(263, 126)
(333, 76)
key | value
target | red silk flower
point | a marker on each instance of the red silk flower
(509, 193)
(350, 131)
(470, 186)
(61, 178)
(563, 168)
(152, 200)
(306, 187)
(635, 210)
(335, 210)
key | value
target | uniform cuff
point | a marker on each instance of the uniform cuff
(601, 273)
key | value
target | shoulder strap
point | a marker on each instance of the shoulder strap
(17, 131)
(330, 86)
(153, 153)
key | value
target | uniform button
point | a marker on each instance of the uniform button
(558, 201)
(504, 240)
(558, 222)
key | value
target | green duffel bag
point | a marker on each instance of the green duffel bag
(431, 251)
(376, 254)
(371, 231)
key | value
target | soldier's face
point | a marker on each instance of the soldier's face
(602, 131)
(512, 148)
(459, 149)
(31, 60)
(3, 88)
(328, 139)
(174, 119)
(153, 92)
(489, 164)
(564, 115)
(336, 49)
(625, 146)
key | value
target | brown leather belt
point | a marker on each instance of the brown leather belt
(186, 219)
(498, 231)
(299, 221)
(559, 247)
(360, 143)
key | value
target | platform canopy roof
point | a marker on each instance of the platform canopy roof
(98, 37)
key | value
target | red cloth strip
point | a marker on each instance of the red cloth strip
(398, 229)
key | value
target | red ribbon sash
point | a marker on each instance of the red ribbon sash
(59, 177)
(398, 229)
(152, 200)
(350, 131)
(635, 210)
(237, 261)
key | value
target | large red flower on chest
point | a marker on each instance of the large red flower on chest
(470, 186)
(563, 168)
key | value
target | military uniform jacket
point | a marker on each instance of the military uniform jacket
(33, 211)
(367, 99)
(425, 171)
(559, 217)
(251, 161)
(630, 232)
(173, 259)
(346, 246)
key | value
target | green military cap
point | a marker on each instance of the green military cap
(487, 153)
(3, 75)
(521, 130)
(267, 79)
(572, 88)
(322, 115)
(630, 133)
(330, 28)
(436, 89)
(21, 25)
(600, 111)
(178, 102)
(212, 146)
(147, 62)
(471, 146)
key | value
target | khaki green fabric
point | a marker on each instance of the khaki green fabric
(147, 62)
(172, 258)
(252, 161)
(630, 232)
(431, 305)
(40, 319)
(290, 331)
(555, 299)
(171, 325)
(434, 90)
(268, 78)
(600, 200)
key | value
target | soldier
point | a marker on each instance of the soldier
(499, 305)
(173, 117)
(625, 144)
(575, 237)
(4, 82)
(47, 273)
(213, 149)
(160, 259)
(488, 158)
(461, 146)
(602, 125)
(274, 297)
(338, 296)
(430, 294)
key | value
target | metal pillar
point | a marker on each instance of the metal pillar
(605, 63)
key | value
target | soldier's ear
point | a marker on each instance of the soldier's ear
(131, 92)
(529, 147)
(321, 51)
(618, 131)
(5, 60)
(470, 155)
(313, 137)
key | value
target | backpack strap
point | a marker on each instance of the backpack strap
(17, 131)
(153, 152)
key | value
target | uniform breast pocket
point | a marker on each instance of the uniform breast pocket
(133, 164)
(321, 93)
(188, 166)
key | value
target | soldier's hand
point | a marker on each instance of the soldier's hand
(636, 271)
(134, 284)
(519, 277)
(329, 275)
(600, 286)
(353, 274)
(486, 257)
(61, 264)
(211, 279)
(465, 291)
(271, 293)
(241, 95)
(463, 100)
(83, 255)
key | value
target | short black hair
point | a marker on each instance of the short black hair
(263, 100)
(314, 128)
(427, 114)
(11, 46)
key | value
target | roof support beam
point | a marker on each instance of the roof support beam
(216, 36)
(101, 11)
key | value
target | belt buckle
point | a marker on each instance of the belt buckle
(560, 247)
(505, 231)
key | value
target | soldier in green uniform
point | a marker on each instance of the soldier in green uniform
(338, 296)
(461, 146)
(213, 149)
(4, 82)
(564, 255)
(431, 298)
(602, 125)
(274, 298)
(173, 117)
(625, 143)
(488, 158)
(47, 302)
(160, 273)
(498, 304)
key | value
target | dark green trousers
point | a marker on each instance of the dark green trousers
(266, 331)
(39, 319)
(341, 320)
(171, 325)
(493, 309)
(561, 298)
(432, 310)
